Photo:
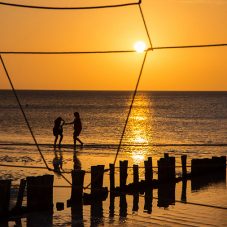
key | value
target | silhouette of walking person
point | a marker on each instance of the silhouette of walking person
(58, 130)
(77, 128)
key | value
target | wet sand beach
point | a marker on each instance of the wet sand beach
(190, 205)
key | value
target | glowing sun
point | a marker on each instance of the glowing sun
(140, 46)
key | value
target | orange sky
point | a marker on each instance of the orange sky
(170, 22)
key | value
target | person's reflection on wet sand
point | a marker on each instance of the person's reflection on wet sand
(57, 161)
(76, 161)
(77, 208)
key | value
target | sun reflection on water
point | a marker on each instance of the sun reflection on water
(138, 157)
(140, 139)
(139, 128)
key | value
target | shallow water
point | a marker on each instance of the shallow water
(203, 198)
(156, 117)
(192, 123)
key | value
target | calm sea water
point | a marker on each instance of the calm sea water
(157, 117)
(177, 122)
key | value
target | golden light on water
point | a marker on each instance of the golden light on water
(140, 118)
(138, 157)
(140, 139)
(139, 128)
(140, 46)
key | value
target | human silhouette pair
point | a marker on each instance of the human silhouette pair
(58, 129)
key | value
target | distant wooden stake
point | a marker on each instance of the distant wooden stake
(112, 178)
(5, 186)
(77, 184)
(97, 173)
(135, 174)
(148, 170)
(40, 193)
(184, 165)
(20, 194)
(166, 169)
(123, 172)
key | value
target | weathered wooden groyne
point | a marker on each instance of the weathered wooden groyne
(40, 189)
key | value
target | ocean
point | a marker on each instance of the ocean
(192, 123)
(156, 118)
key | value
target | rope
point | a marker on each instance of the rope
(68, 52)
(26, 120)
(68, 8)
(145, 25)
(130, 108)
(114, 51)
(24, 115)
(189, 46)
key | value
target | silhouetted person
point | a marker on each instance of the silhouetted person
(58, 130)
(77, 128)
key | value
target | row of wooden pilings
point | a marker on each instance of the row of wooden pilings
(40, 189)
(167, 170)
(39, 195)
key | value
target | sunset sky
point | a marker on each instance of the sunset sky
(170, 22)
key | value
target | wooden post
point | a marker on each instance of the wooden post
(135, 202)
(148, 199)
(41, 218)
(184, 191)
(97, 173)
(161, 169)
(215, 162)
(20, 194)
(135, 174)
(112, 177)
(101, 170)
(77, 214)
(148, 170)
(123, 172)
(123, 207)
(205, 166)
(5, 186)
(166, 194)
(60, 206)
(219, 164)
(40, 193)
(76, 197)
(77, 184)
(223, 164)
(166, 169)
(184, 166)
(111, 207)
(194, 167)
(96, 213)
(172, 169)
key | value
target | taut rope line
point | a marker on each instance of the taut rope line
(26, 120)
(68, 8)
(23, 113)
(130, 108)
(113, 51)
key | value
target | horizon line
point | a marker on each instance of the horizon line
(25, 89)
